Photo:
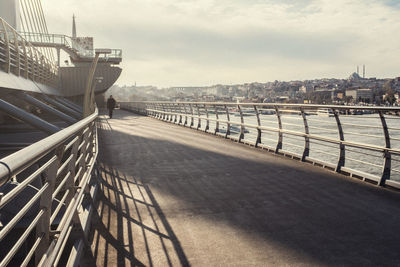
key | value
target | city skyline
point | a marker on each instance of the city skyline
(193, 43)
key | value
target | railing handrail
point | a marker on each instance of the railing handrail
(22, 58)
(330, 134)
(27, 42)
(307, 106)
(19, 160)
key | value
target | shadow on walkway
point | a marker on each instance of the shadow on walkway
(114, 215)
(177, 197)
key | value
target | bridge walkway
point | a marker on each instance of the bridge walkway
(173, 196)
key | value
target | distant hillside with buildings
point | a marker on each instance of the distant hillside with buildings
(354, 90)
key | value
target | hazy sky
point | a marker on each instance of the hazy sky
(204, 42)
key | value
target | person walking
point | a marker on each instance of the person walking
(111, 105)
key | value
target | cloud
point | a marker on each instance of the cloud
(168, 42)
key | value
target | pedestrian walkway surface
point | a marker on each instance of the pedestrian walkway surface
(173, 196)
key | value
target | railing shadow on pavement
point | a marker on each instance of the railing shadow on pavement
(117, 194)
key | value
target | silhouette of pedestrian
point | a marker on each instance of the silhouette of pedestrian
(111, 105)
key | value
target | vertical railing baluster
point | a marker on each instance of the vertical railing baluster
(70, 183)
(167, 109)
(228, 125)
(43, 227)
(180, 113)
(156, 110)
(198, 117)
(191, 117)
(280, 134)
(258, 140)
(172, 113)
(25, 59)
(241, 134)
(16, 45)
(386, 154)
(164, 117)
(306, 151)
(186, 116)
(7, 64)
(342, 151)
(207, 119)
(217, 119)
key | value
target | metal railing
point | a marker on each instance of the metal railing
(20, 57)
(43, 188)
(64, 41)
(360, 141)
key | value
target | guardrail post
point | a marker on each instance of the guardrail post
(280, 134)
(172, 110)
(306, 151)
(185, 123)
(191, 117)
(154, 112)
(16, 45)
(7, 64)
(387, 156)
(217, 119)
(43, 226)
(180, 113)
(35, 70)
(25, 59)
(170, 118)
(198, 117)
(258, 140)
(70, 183)
(82, 152)
(208, 121)
(164, 116)
(241, 135)
(174, 117)
(342, 152)
(168, 110)
(228, 125)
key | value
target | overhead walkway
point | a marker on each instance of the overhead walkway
(71, 47)
(173, 196)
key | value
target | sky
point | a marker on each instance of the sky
(204, 42)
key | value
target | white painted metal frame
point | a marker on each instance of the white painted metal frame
(65, 163)
(21, 58)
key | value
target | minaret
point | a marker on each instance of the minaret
(73, 27)
(364, 71)
(358, 70)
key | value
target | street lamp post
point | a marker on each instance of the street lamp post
(87, 98)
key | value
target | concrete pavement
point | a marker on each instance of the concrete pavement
(173, 196)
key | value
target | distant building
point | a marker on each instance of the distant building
(360, 95)
(306, 88)
(340, 95)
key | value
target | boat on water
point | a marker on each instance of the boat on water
(325, 112)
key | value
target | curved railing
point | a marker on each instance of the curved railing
(359, 141)
(42, 192)
(20, 57)
(63, 41)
